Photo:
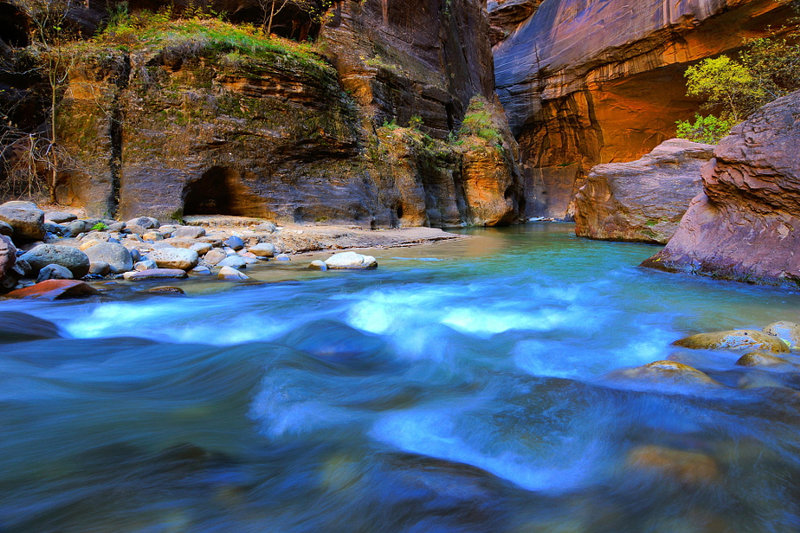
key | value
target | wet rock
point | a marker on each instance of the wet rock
(53, 272)
(214, 257)
(45, 254)
(643, 200)
(99, 268)
(667, 371)
(8, 258)
(188, 232)
(6, 229)
(19, 327)
(263, 249)
(234, 242)
(155, 273)
(351, 261)
(742, 226)
(231, 274)
(182, 258)
(318, 265)
(145, 264)
(685, 467)
(116, 256)
(763, 359)
(740, 339)
(788, 332)
(233, 261)
(59, 217)
(26, 219)
(55, 289)
(166, 289)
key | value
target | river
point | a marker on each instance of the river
(463, 386)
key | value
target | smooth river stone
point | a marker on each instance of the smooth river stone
(55, 289)
(155, 273)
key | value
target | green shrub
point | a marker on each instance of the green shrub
(708, 129)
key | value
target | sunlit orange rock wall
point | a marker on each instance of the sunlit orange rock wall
(590, 81)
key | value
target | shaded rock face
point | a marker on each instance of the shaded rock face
(506, 15)
(643, 200)
(8, 257)
(743, 226)
(599, 81)
(170, 132)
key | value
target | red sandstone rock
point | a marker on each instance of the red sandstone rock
(601, 81)
(642, 200)
(744, 225)
(55, 289)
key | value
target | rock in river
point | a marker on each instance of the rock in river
(155, 273)
(734, 340)
(182, 258)
(685, 467)
(47, 254)
(351, 261)
(667, 371)
(55, 289)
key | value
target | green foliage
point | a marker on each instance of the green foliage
(725, 82)
(478, 122)
(708, 129)
(415, 122)
(391, 125)
(100, 226)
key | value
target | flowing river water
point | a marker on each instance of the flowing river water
(463, 386)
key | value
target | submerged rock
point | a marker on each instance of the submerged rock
(351, 261)
(55, 289)
(46, 254)
(739, 339)
(761, 359)
(155, 273)
(17, 327)
(669, 371)
(166, 289)
(685, 467)
(643, 200)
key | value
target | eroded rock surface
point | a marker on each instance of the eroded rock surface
(643, 200)
(600, 81)
(744, 225)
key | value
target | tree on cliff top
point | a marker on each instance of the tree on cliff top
(272, 8)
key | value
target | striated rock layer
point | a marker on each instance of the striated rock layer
(600, 81)
(643, 200)
(744, 225)
(180, 129)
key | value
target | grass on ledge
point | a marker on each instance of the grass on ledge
(145, 29)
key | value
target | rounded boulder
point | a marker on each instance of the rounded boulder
(52, 254)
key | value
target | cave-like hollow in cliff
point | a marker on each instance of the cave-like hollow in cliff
(222, 191)
(13, 26)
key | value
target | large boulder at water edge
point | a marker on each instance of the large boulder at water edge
(643, 200)
(8, 257)
(744, 225)
(51, 254)
(739, 339)
(55, 289)
(26, 219)
(115, 255)
(351, 261)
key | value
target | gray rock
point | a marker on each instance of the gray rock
(116, 256)
(233, 261)
(57, 229)
(182, 258)
(53, 272)
(188, 232)
(59, 217)
(351, 261)
(231, 274)
(45, 254)
(77, 227)
(116, 227)
(282, 257)
(266, 226)
(234, 242)
(318, 265)
(201, 270)
(156, 273)
(263, 249)
(214, 256)
(201, 248)
(8, 259)
(145, 264)
(6, 229)
(136, 256)
(25, 218)
(143, 222)
(98, 268)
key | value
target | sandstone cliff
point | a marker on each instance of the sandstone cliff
(591, 81)
(643, 200)
(744, 226)
(198, 124)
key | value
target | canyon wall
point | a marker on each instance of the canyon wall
(598, 81)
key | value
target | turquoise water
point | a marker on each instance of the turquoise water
(463, 386)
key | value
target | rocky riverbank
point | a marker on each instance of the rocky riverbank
(51, 254)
